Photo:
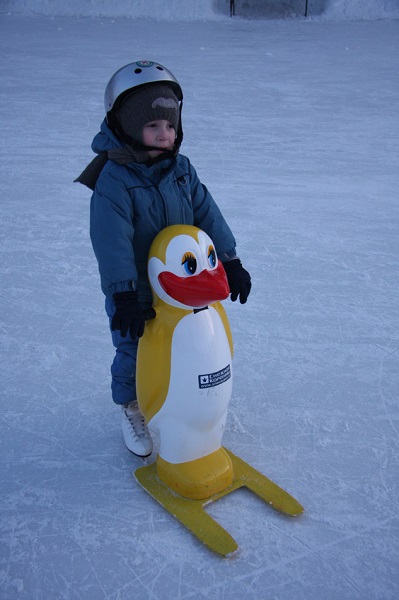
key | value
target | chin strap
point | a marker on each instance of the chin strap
(126, 155)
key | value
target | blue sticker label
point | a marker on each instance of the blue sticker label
(212, 379)
(144, 63)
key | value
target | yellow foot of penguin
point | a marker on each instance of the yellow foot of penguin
(200, 478)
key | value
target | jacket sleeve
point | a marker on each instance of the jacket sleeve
(111, 232)
(207, 216)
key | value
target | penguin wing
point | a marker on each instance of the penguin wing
(154, 361)
(153, 369)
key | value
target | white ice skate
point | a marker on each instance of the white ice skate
(135, 432)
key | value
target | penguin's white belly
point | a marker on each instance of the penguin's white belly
(192, 419)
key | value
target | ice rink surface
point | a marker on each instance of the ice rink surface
(293, 126)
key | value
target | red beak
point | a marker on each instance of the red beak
(199, 290)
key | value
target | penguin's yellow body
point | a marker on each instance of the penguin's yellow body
(184, 370)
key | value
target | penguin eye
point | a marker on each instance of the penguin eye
(212, 257)
(189, 263)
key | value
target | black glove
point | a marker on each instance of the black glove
(239, 280)
(129, 316)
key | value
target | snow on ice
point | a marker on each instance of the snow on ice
(293, 124)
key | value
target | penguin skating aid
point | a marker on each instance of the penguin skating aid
(184, 385)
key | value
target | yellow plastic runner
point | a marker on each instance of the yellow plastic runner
(192, 514)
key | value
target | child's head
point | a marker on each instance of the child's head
(153, 102)
(140, 93)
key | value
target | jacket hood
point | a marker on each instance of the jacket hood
(105, 140)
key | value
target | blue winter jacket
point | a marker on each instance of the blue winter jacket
(132, 203)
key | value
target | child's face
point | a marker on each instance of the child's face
(160, 134)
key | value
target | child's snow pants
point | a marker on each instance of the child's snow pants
(123, 368)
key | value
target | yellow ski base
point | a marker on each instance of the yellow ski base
(191, 513)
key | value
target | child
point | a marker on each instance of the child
(141, 184)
